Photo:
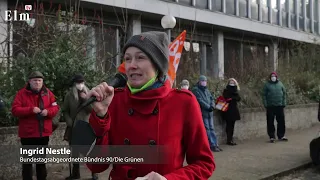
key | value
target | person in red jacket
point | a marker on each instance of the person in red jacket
(149, 112)
(35, 106)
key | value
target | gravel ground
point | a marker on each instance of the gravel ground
(308, 174)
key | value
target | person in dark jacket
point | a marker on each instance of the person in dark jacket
(274, 100)
(232, 114)
(35, 106)
(73, 99)
(319, 111)
(206, 100)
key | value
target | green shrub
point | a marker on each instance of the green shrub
(301, 88)
(58, 61)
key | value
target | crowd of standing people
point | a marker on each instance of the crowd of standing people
(273, 98)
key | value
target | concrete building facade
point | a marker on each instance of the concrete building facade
(213, 24)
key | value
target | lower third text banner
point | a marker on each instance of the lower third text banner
(122, 154)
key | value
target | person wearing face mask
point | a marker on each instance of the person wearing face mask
(206, 100)
(274, 100)
(72, 100)
(35, 106)
(232, 114)
(148, 112)
(185, 84)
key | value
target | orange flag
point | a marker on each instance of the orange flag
(122, 68)
(175, 51)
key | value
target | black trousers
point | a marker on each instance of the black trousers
(278, 113)
(76, 166)
(230, 129)
(41, 169)
(75, 153)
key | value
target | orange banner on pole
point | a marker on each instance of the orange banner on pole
(122, 68)
(175, 51)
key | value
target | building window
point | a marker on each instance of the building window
(300, 7)
(292, 6)
(308, 9)
(264, 3)
(316, 10)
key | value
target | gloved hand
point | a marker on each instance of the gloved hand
(211, 109)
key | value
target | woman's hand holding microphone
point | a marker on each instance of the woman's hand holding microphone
(104, 94)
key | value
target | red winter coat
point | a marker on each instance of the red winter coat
(163, 116)
(22, 107)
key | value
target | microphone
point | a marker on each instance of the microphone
(83, 130)
(119, 80)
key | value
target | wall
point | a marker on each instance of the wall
(9, 139)
(252, 125)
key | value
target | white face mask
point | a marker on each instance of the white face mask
(273, 78)
(232, 84)
(203, 83)
(185, 87)
(80, 86)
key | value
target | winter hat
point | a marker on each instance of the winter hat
(78, 78)
(184, 82)
(202, 78)
(36, 74)
(155, 45)
(274, 74)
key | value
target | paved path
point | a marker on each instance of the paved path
(308, 174)
(249, 160)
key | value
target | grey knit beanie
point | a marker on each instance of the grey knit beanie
(156, 46)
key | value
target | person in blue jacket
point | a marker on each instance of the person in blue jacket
(206, 100)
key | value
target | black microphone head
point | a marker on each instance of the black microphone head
(122, 79)
(119, 80)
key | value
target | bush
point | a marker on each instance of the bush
(58, 59)
(301, 87)
(300, 73)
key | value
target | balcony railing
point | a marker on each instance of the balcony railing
(302, 15)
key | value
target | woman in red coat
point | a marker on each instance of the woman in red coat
(149, 112)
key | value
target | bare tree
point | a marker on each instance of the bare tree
(49, 20)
